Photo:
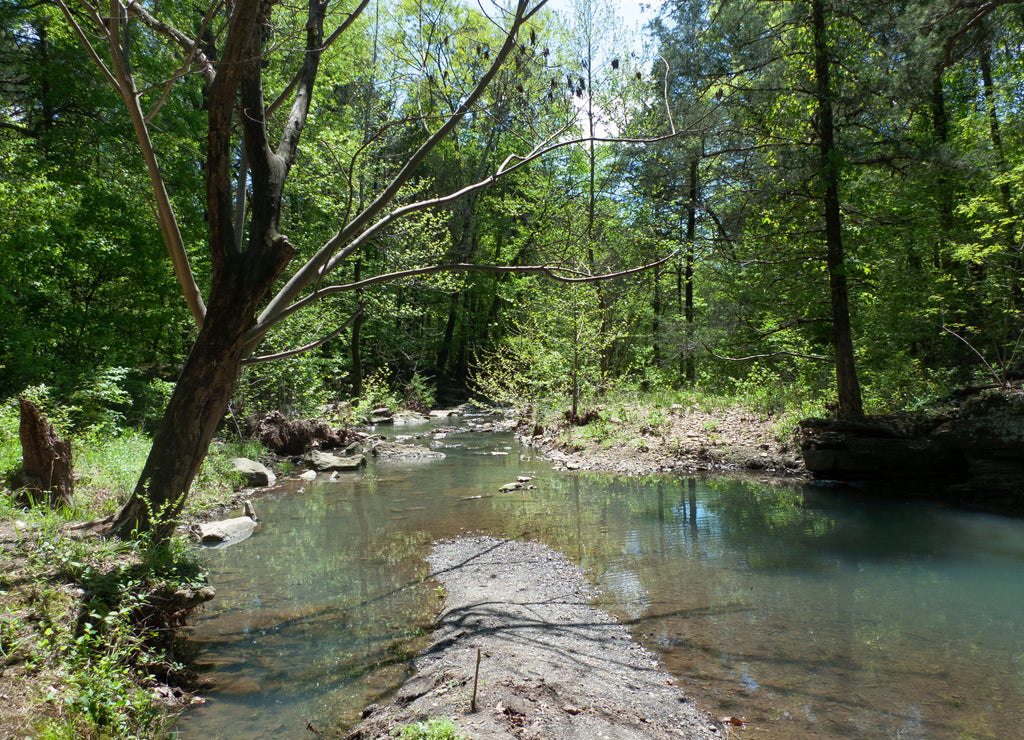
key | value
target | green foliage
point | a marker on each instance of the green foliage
(377, 393)
(81, 626)
(433, 728)
(109, 466)
(10, 443)
(419, 394)
(554, 356)
(763, 391)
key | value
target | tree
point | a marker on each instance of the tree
(258, 65)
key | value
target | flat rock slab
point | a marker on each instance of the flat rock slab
(398, 451)
(324, 462)
(552, 666)
(227, 531)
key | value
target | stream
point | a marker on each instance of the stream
(811, 612)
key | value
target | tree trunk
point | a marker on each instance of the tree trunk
(47, 461)
(847, 385)
(656, 316)
(182, 440)
(691, 234)
(1009, 237)
(357, 330)
(449, 335)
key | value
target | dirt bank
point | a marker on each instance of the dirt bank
(552, 666)
(678, 439)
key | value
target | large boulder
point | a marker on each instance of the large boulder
(844, 449)
(255, 474)
(382, 415)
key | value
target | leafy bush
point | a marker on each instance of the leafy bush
(10, 444)
(377, 393)
(420, 394)
(433, 728)
(80, 627)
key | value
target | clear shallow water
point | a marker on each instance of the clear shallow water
(811, 613)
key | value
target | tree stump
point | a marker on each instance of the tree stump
(47, 471)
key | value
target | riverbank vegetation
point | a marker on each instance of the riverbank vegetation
(927, 155)
(89, 626)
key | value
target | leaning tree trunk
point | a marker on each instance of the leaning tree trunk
(46, 459)
(196, 407)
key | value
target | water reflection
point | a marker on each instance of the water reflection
(812, 613)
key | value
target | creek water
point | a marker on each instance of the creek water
(810, 612)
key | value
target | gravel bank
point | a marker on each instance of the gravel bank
(552, 666)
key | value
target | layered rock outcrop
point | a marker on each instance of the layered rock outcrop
(969, 450)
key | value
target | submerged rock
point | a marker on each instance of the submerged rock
(397, 451)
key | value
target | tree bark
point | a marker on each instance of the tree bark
(244, 270)
(196, 407)
(357, 330)
(1009, 238)
(847, 384)
(691, 234)
(242, 279)
(47, 461)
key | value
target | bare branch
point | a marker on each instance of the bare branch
(306, 79)
(767, 356)
(322, 47)
(330, 256)
(312, 270)
(77, 29)
(186, 42)
(122, 80)
(981, 357)
(561, 274)
(306, 347)
(177, 75)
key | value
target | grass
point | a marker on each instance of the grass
(679, 421)
(81, 632)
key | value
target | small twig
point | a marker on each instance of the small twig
(999, 379)
(476, 677)
(312, 728)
